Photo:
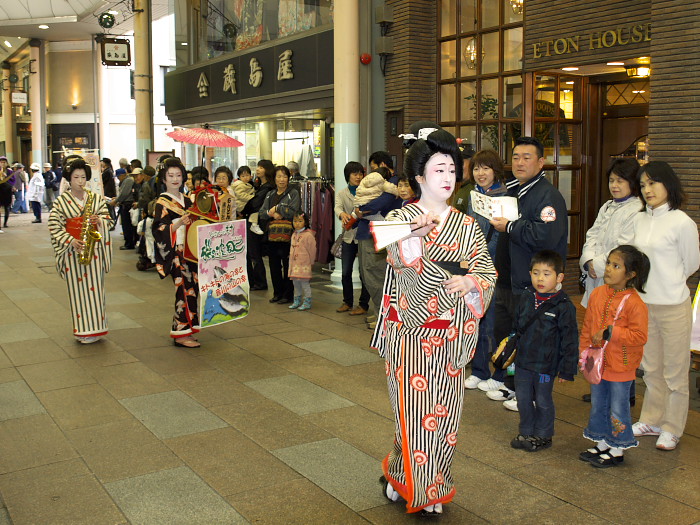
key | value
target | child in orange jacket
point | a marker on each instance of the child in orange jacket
(610, 421)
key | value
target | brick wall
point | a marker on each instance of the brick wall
(548, 20)
(411, 73)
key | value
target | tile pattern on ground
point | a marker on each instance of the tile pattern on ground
(298, 395)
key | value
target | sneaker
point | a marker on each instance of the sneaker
(490, 384)
(511, 404)
(256, 229)
(535, 444)
(643, 429)
(520, 441)
(472, 382)
(666, 441)
(498, 395)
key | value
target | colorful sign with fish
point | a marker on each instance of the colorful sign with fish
(224, 291)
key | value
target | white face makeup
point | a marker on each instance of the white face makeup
(173, 179)
(438, 181)
(78, 180)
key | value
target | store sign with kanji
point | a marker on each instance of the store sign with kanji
(115, 52)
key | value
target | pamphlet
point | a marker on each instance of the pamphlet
(490, 207)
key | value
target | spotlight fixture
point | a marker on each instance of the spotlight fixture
(43, 26)
(638, 71)
(74, 106)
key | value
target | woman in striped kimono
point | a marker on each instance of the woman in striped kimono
(86, 290)
(169, 220)
(437, 285)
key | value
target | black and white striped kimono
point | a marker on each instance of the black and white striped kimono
(427, 336)
(86, 290)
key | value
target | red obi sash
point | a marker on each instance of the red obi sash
(74, 226)
(437, 324)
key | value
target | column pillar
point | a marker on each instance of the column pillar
(143, 78)
(102, 92)
(36, 103)
(8, 116)
(346, 96)
(266, 136)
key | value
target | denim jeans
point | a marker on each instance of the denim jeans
(347, 258)
(611, 418)
(485, 347)
(535, 404)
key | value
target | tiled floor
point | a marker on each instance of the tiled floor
(281, 417)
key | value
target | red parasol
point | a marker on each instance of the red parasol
(204, 137)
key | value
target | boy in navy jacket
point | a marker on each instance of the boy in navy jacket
(546, 349)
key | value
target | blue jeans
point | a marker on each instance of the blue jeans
(347, 259)
(611, 418)
(20, 205)
(535, 404)
(485, 347)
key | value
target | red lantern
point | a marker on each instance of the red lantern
(365, 58)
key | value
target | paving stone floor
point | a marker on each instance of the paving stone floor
(281, 417)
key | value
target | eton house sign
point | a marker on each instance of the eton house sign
(285, 71)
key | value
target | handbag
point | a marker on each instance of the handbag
(337, 248)
(592, 359)
(280, 230)
(504, 355)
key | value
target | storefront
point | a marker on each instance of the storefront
(580, 77)
(275, 97)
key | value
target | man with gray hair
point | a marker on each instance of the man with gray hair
(293, 168)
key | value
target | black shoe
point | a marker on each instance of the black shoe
(586, 398)
(126, 247)
(535, 444)
(520, 441)
(257, 287)
(605, 460)
(284, 300)
(275, 299)
(36, 221)
(590, 454)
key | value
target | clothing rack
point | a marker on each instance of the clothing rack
(317, 202)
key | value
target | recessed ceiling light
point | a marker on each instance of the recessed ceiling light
(639, 91)
(183, 44)
(7, 43)
(43, 26)
(569, 69)
(616, 63)
(570, 82)
(113, 12)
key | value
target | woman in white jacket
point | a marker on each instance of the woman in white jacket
(670, 239)
(613, 226)
(35, 195)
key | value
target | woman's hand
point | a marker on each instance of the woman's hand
(591, 270)
(423, 224)
(271, 212)
(95, 220)
(184, 220)
(345, 217)
(77, 245)
(461, 284)
(277, 216)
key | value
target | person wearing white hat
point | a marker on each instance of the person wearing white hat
(35, 195)
(51, 186)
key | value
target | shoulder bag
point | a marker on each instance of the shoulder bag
(504, 355)
(592, 359)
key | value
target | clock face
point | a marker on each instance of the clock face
(106, 20)
(14, 78)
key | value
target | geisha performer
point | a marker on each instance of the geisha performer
(169, 220)
(76, 216)
(438, 284)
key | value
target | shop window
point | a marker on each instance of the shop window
(513, 11)
(488, 85)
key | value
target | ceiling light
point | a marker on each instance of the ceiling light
(183, 44)
(43, 26)
(639, 91)
(638, 71)
(616, 63)
(569, 69)
(7, 43)
(570, 82)
(113, 12)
